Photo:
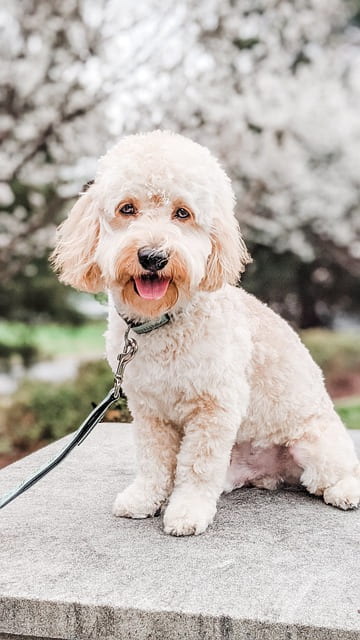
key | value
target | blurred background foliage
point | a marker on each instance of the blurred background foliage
(273, 88)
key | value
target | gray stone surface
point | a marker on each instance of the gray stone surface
(275, 565)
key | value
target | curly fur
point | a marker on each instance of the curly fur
(225, 395)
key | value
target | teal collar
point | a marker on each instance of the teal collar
(146, 327)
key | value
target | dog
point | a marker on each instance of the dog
(222, 391)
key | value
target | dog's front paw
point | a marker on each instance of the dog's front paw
(133, 502)
(345, 494)
(186, 516)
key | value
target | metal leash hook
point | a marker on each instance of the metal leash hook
(129, 351)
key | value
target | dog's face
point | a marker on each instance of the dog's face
(156, 225)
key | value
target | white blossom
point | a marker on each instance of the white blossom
(273, 88)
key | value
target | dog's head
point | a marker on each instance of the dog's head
(156, 225)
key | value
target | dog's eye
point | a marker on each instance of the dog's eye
(182, 213)
(127, 209)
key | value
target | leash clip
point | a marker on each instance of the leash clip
(129, 351)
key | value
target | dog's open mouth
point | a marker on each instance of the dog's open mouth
(151, 287)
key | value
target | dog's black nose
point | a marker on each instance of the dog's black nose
(152, 259)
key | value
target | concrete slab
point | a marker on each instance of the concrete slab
(273, 565)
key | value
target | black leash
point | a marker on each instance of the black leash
(130, 348)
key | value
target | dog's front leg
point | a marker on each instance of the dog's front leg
(157, 446)
(201, 468)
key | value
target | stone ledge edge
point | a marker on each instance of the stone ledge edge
(53, 620)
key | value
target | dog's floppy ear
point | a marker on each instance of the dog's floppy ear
(228, 256)
(77, 238)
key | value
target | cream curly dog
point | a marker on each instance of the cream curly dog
(223, 394)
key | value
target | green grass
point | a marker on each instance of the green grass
(333, 350)
(54, 340)
(349, 411)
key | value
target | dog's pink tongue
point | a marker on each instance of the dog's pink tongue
(152, 289)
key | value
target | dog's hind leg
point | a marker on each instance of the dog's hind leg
(330, 466)
(157, 446)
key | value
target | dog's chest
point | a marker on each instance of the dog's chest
(160, 394)
(164, 378)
